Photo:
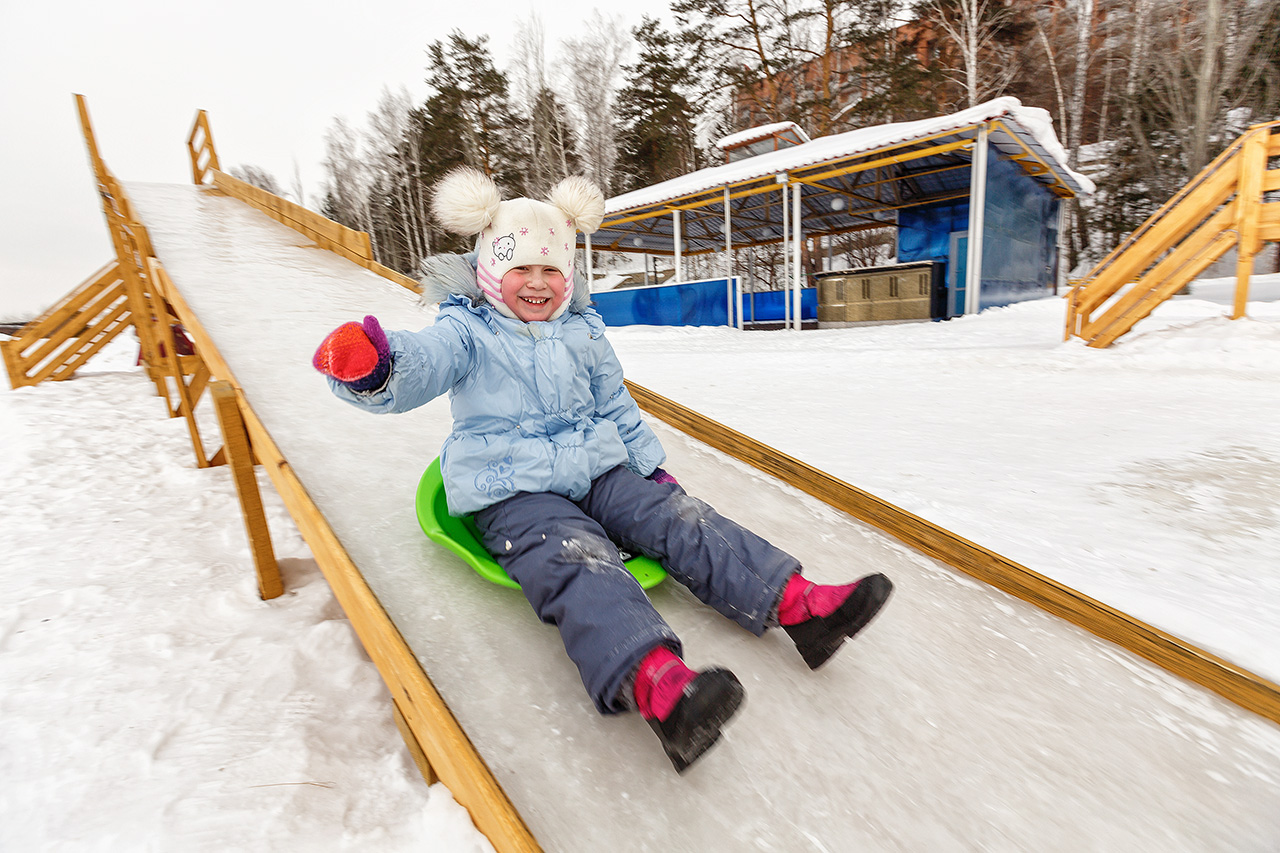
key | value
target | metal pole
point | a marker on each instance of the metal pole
(977, 204)
(786, 256)
(797, 267)
(728, 265)
(675, 219)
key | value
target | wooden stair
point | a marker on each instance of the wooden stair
(1222, 207)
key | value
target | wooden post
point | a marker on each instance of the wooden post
(235, 441)
(1253, 163)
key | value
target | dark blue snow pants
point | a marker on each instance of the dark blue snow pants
(561, 554)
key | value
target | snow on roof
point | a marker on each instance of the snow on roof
(1036, 122)
(764, 131)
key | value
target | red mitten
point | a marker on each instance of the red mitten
(356, 354)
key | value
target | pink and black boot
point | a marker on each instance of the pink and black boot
(685, 708)
(820, 618)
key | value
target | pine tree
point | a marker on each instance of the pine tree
(657, 140)
(471, 100)
(468, 120)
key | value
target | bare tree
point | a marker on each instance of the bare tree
(552, 154)
(1205, 60)
(257, 176)
(298, 195)
(348, 186)
(1084, 38)
(986, 63)
(595, 64)
(393, 160)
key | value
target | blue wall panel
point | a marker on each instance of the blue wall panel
(1020, 235)
(697, 303)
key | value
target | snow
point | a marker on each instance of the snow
(1145, 475)
(151, 701)
(751, 134)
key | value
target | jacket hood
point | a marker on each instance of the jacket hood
(455, 275)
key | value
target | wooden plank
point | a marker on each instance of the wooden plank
(11, 353)
(353, 245)
(69, 329)
(297, 217)
(103, 333)
(1159, 238)
(235, 442)
(203, 154)
(415, 748)
(1269, 223)
(61, 364)
(70, 305)
(1179, 657)
(1218, 246)
(1214, 167)
(388, 273)
(1207, 243)
(186, 403)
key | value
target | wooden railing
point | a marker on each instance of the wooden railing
(66, 336)
(204, 157)
(1221, 208)
(353, 245)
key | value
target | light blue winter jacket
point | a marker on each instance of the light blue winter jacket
(537, 407)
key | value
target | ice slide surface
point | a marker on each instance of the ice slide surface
(963, 719)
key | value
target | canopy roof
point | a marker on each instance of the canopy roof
(851, 181)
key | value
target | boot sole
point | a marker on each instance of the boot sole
(695, 724)
(818, 639)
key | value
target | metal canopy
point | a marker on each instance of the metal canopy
(848, 182)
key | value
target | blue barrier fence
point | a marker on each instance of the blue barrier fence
(695, 303)
(767, 306)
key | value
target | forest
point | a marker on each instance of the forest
(1143, 94)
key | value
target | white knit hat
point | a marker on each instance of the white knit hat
(518, 232)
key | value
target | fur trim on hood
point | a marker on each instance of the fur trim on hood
(455, 275)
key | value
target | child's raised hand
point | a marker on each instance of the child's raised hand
(356, 354)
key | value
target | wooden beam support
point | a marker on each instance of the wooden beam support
(235, 441)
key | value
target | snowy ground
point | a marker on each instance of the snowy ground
(1146, 475)
(150, 701)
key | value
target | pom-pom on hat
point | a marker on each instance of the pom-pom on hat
(518, 232)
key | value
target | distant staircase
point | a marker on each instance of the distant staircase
(1224, 206)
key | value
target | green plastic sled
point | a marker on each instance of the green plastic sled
(461, 537)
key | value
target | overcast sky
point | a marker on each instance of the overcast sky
(271, 75)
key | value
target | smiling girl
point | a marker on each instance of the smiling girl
(550, 455)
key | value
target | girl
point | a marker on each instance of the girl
(550, 454)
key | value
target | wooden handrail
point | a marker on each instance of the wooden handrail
(1221, 207)
(200, 148)
(56, 343)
